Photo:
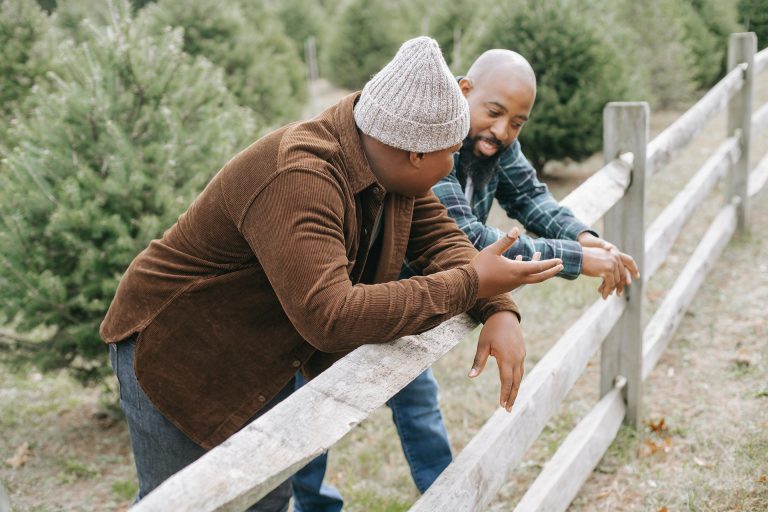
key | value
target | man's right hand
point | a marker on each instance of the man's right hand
(498, 274)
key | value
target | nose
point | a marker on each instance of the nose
(499, 130)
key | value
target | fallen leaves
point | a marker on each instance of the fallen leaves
(22, 455)
(657, 426)
(651, 447)
(701, 462)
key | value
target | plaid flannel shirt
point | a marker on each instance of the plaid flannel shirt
(525, 199)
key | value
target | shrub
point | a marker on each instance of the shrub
(362, 43)
(262, 65)
(577, 73)
(22, 61)
(452, 19)
(302, 19)
(123, 137)
(720, 18)
(753, 16)
(665, 54)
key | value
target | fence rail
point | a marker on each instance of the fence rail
(270, 449)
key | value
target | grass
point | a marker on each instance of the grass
(715, 409)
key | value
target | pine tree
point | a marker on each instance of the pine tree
(22, 61)
(116, 146)
(576, 71)
(262, 65)
(753, 16)
(367, 35)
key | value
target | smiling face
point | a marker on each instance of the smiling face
(500, 89)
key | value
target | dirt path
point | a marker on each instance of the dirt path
(60, 448)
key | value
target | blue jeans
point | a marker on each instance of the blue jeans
(419, 423)
(159, 448)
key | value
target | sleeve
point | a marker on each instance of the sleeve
(451, 195)
(526, 199)
(436, 244)
(295, 227)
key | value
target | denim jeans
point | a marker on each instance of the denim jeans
(159, 448)
(419, 423)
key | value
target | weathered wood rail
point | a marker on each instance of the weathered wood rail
(269, 450)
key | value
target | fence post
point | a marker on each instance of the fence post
(310, 55)
(625, 129)
(741, 48)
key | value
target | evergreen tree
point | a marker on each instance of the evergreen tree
(753, 16)
(665, 54)
(451, 20)
(720, 18)
(23, 61)
(262, 65)
(118, 143)
(367, 35)
(302, 19)
(576, 71)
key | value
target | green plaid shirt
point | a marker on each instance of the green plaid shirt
(525, 199)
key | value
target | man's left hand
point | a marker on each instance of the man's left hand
(587, 239)
(502, 338)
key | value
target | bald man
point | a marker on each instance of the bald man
(500, 88)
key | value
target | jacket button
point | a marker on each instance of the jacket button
(365, 231)
(296, 364)
(262, 398)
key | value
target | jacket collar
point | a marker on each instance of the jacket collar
(359, 171)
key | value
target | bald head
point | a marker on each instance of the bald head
(503, 65)
(500, 88)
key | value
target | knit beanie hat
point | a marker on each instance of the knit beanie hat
(414, 103)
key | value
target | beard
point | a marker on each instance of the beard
(480, 168)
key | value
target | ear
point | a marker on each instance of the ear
(466, 86)
(416, 159)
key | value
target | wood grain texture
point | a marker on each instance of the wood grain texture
(625, 129)
(477, 473)
(759, 176)
(679, 134)
(561, 478)
(601, 191)
(661, 235)
(662, 326)
(266, 452)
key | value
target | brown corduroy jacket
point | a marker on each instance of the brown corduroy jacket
(261, 277)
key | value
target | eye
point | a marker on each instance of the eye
(494, 113)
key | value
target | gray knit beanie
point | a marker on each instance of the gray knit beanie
(414, 103)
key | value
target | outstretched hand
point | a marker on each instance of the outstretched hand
(498, 274)
(502, 338)
(603, 259)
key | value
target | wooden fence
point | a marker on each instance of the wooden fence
(272, 448)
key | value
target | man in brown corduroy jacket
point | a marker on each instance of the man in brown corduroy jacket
(290, 258)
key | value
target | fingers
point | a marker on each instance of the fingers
(501, 245)
(510, 385)
(547, 273)
(507, 378)
(602, 290)
(618, 275)
(629, 263)
(536, 256)
(481, 357)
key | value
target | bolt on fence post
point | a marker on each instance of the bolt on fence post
(625, 129)
(741, 48)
